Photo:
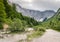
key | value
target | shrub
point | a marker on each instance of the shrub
(39, 28)
(16, 26)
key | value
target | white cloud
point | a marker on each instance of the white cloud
(39, 4)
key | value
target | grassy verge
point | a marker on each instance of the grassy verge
(39, 31)
(56, 29)
(35, 34)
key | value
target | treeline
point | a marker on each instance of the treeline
(15, 20)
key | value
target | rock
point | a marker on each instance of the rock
(29, 29)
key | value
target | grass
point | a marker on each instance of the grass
(24, 40)
(39, 31)
(35, 34)
(56, 29)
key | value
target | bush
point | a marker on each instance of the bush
(35, 34)
(39, 31)
(39, 28)
(16, 26)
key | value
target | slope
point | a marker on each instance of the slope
(15, 20)
(54, 22)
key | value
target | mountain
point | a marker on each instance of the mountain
(54, 22)
(37, 15)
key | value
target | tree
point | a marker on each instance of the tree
(2, 12)
(16, 25)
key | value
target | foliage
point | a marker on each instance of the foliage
(12, 13)
(54, 22)
(16, 26)
(15, 20)
(35, 34)
(2, 11)
(30, 21)
(38, 31)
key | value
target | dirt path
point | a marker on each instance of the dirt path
(49, 36)
(14, 38)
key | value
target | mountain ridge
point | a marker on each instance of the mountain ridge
(37, 15)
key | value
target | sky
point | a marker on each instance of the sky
(40, 5)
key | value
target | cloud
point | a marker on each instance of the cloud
(47, 4)
(39, 4)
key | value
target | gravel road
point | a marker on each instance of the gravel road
(49, 36)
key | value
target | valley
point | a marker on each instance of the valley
(18, 24)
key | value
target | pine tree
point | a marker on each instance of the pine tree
(2, 11)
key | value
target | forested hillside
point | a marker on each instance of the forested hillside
(54, 22)
(15, 20)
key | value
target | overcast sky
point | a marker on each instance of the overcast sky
(39, 4)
